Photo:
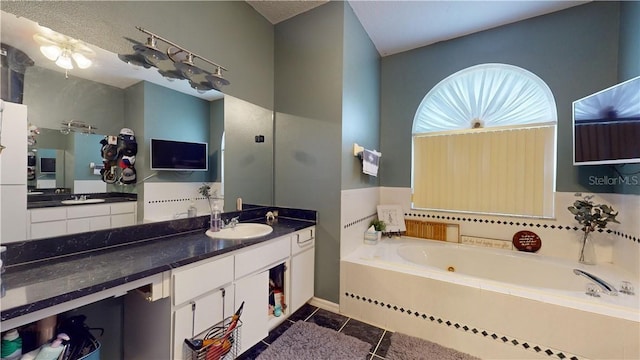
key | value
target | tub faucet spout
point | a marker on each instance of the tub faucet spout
(605, 286)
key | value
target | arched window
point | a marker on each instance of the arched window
(484, 141)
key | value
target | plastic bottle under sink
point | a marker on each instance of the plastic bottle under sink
(53, 350)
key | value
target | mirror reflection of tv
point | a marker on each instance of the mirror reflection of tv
(606, 126)
(47, 165)
(179, 155)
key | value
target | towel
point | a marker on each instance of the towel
(370, 160)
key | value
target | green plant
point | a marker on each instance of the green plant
(379, 225)
(591, 216)
(205, 190)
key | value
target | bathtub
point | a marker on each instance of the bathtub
(447, 281)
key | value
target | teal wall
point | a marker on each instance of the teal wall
(53, 99)
(86, 150)
(628, 68)
(216, 130)
(308, 125)
(360, 100)
(172, 115)
(230, 33)
(629, 59)
(248, 164)
(574, 51)
(326, 96)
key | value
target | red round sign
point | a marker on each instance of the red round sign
(527, 241)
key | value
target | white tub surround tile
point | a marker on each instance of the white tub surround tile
(482, 322)
(358, 208)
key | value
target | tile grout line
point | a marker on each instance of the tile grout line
(384, 332)
(343, 325)
(310, 315)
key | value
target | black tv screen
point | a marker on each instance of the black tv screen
(606, 126)
(47, 165)
(179, 155)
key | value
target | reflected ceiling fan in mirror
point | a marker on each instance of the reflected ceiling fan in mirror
(182, 61)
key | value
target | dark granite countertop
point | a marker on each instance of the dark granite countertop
(41, 283)
(55, 200)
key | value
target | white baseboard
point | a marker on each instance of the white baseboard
(325, 304)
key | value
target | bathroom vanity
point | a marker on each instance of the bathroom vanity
(175, 281)
(61, 215)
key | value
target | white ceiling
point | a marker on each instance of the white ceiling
(399, 25)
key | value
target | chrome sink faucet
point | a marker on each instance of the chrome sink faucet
(232, 223)
(604, 286)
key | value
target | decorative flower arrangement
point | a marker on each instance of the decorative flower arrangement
(205, 190)
(591, 216)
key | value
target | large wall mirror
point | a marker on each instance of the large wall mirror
(113, 94)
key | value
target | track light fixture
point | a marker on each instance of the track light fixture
(77, 126)
(183, 62)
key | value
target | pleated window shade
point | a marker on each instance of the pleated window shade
(494, 171)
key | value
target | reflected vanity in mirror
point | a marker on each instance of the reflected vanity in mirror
(112, 94)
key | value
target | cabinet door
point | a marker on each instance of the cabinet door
(88, 224)
(198, 315)
(13, 162)
(302, 271)
(121, 220)
(254, 291)
(13, 223)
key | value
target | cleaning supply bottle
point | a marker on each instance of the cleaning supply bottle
(192, 211)
(53, 350)
(216, 219)
(11, 345)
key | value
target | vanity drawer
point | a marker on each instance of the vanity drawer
(83, 211)
(303, 240)
(48, 229)
(51, 214)
(123, 220)
(269, 253)
(205, 276)
(123, 208)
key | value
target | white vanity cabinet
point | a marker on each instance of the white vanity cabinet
(46, 222)
(302, 267)
(64, 220)
(252, 287)
(88, 218)
(200, 291)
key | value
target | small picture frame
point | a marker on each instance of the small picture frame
(393, 217)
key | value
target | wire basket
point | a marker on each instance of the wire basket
(219, 342)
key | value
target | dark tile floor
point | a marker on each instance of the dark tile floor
(377, 337)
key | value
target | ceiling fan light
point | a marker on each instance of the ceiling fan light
(64, 61)
(82, 61)
(51, 52)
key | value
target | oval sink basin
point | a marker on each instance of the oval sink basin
(79, 202)
(242, 231)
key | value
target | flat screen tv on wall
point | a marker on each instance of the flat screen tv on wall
(606, 126)
(179, 155)
(47, 165)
